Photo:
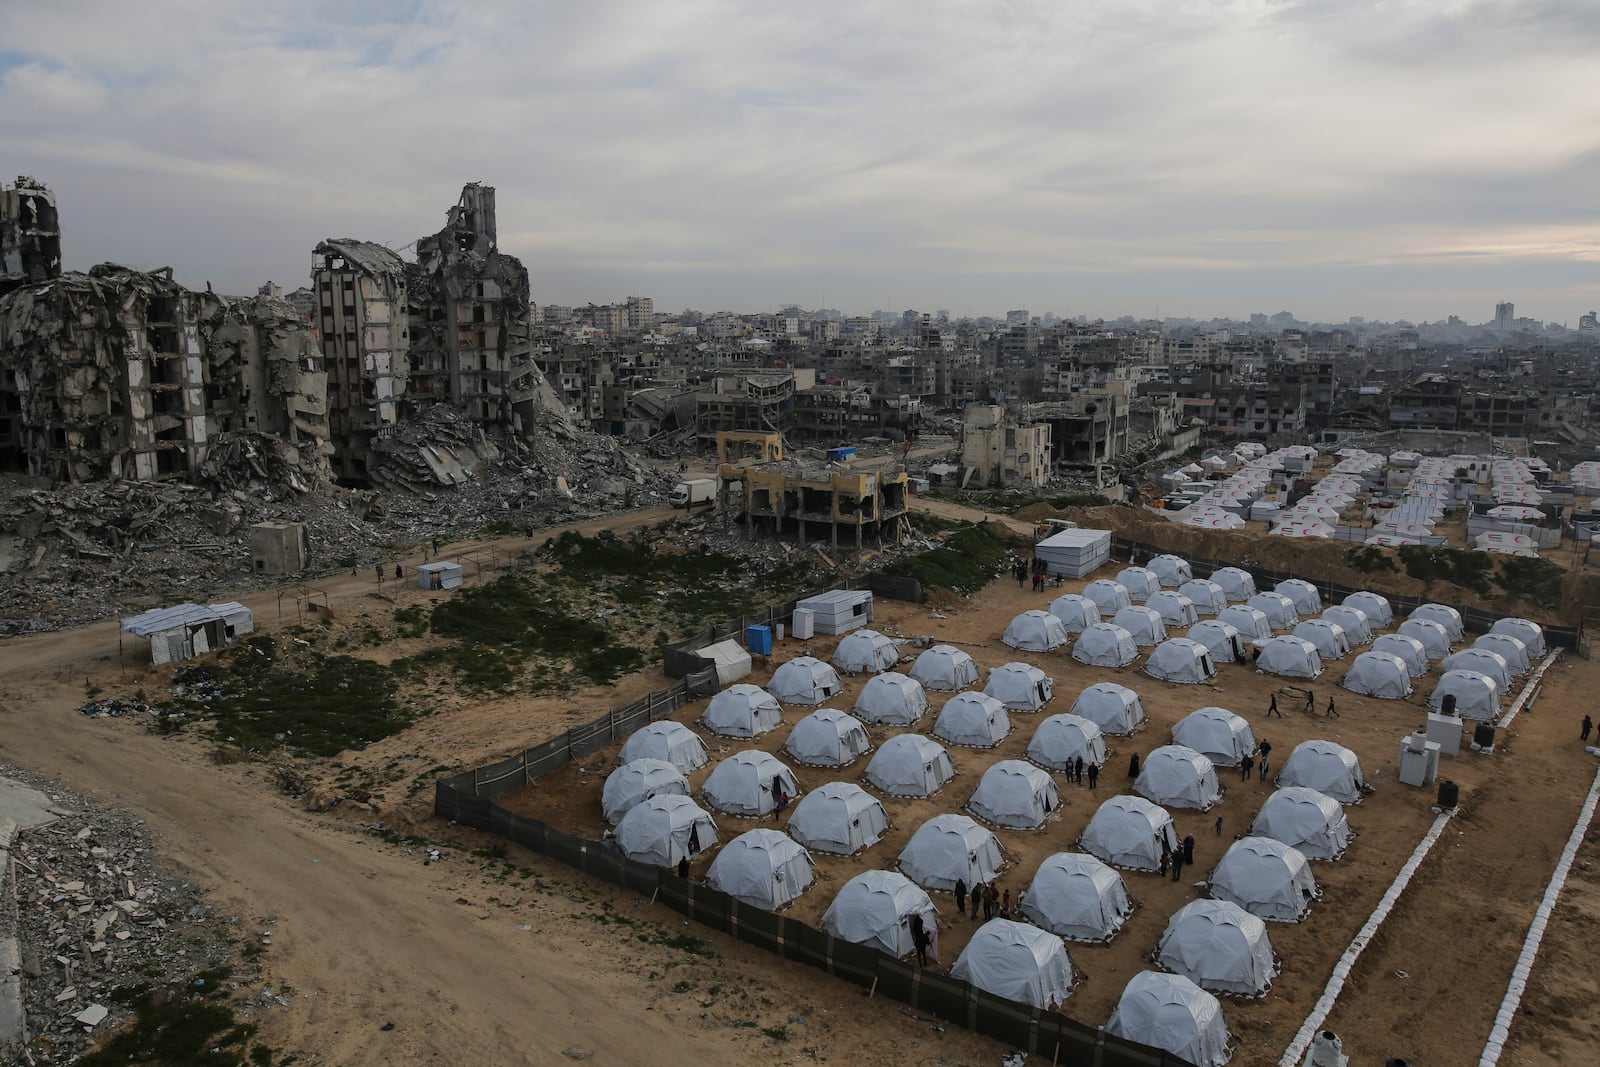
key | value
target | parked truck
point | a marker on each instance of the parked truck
(693, 493)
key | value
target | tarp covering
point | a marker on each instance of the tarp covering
(763, 868)
(1207, 596)
(1020, 686)
(875, 908)
(1269, 879)
(1169, 1012)
(804, 680)
(1327, 767)
(1114, 708)
(742, 783)
(1379, 674)
(1179, 777)
(1477, 695)
(1408, 649)
(637, 781)
(948, 848)
(1018, 962)
(1127, 831)
(1305, 819)
(667, 740)
(1015, 794)
(1105, 645)
(731, 658)
(866, 650)
(1179, 659)
(1061, 738)
(1290, 657)
(1218, 945)
(1217, 734)
(1108, 596)
(665, 829)
(910, 765)
(838, 817)
(1035, 631)
(1074, 895)
(742, 710)
(827, 738)
(972, 720)
(1530, 633)
(944, 669)
(1374, 605)
(891, 700)
(1075, 611)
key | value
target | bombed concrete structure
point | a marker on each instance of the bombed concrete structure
(785, 498)
(30, 235)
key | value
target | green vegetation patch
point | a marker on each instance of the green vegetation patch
(966, 561)
(1468, 569)
(182, 1026)
(1370, 558)
(1011, 501)
(1534, 580)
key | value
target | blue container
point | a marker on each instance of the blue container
(758, 639)
(839, 455)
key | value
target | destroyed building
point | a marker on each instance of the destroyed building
(30, 235)
(786, 498)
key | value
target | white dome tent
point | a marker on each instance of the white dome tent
(1217, 734)
(1207, 596)
(1020, 687)
(637, 781)
(1379, 674)
(1218, 945)
(1353, 621)
(1143, 624)
(1445, 616)
(827, 738)
(665, 829)
(1304, 595)
(1477, 695)
(1221, 640)
(1075, 612)
(1018, 962)
(1174, 608)
(875, 908)
(1329, 768)
(1434, 637)
(742, 710)
(1237, 585)
(804, 680)
(891, 700)
(1061, 739)
(1278, 609)
(972, 720)
(667, 740)
(1108, 596)
(839, 818)
(1035, 631)
(1252, 624)
(1127, 831)
(1531, 634)
(1326, 637)
(1509, 648)
(866, 651)
(1105, 645)
(1171, 1013)
(1304, 819)
(1171, 571)
(1481, 660)
(1407, 649)
(1267, 878)
(1374, 605)
(944, 669)
(1140, 582)
(762, 868)
(1114, 708)
(1075, 896)
(1289, 657)
(742, 783)
(948, 848)
(1181, 660)
(910, 765)
(1179, 777)
(1014, 794)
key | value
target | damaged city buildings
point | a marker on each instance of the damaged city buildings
(807, 500)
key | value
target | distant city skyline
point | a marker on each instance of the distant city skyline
(1145, 158)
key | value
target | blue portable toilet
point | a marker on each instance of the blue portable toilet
(758, 639)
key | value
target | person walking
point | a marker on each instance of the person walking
(1332, 712)
(683, 868)
(919, 940)
(379, 569)
(977, 897)
(1133, 765)
(1094, 774)
(1188, 849)
(1272, 707)
(1219, 826)
(1246, 765)
(1311, 701)
(1262, 766)
(1005, 905)
(1588, 724)
(1166, 858)
(961, 896)
(990, 899)
(1177, 865)
(1077, 770)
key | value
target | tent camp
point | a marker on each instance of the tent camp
(1304, 595)
(839, 818)
(1114, 708)
(1379, 674)
(875, 908)
(865, 651)
(1127, 831)
(1483, 661)
(1207, 596)
(1434, 637)
(1019, 686)
(891, 700)
(1169, 1012)
(1218, 945)
(665, 829)
(742, 783)
(1143, 624)
(1329, 768)
(1035, 631)
(804, 680)
(1074, 895)
(1140, 582)
(1477, 695)
(1267, 878)
(1278, 609)
(1221, 639)
(1410, 651)
(1064, 738)
(1374, 605)
(1236, 584)
(1289, 657)
(1328, 638)
(944, 669)
(950, 848)
(1108, 596)
(1179, 659)
(1445, 616)
(910, 765)
(827, 738)
(637, 781)
(1172, 571)
(1217, 734)
(1179, 777)
(666, 740)
(972, 720)
(1174, 608)
(1306, 820)
(1252, 624)
(1509, 648)
(1014, 794)
(1075, 612)
(1531, 634)
(1352, 620)
(1105, 645)
(762, 868)
(742, 710)
(1018, 962)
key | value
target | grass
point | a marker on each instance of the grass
(1534, 580)
(1468, 569)
(1011, 501)
(1370, 558)
(963, 564)
(192, 1025)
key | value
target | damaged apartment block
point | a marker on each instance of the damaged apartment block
(785, 498)
(30, 235)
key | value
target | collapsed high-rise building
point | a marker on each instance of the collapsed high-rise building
(30, 235)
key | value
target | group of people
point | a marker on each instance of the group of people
(985, 897)
(1022, 568)
(1256, 760)
(1077, 771)
(1183, 855)
(1330, 712)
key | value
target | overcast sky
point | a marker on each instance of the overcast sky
(1205, 157)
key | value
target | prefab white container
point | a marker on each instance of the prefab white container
(891, 699)
(839, 818)
(838, 610)
(444, 574)
(1074, 553)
